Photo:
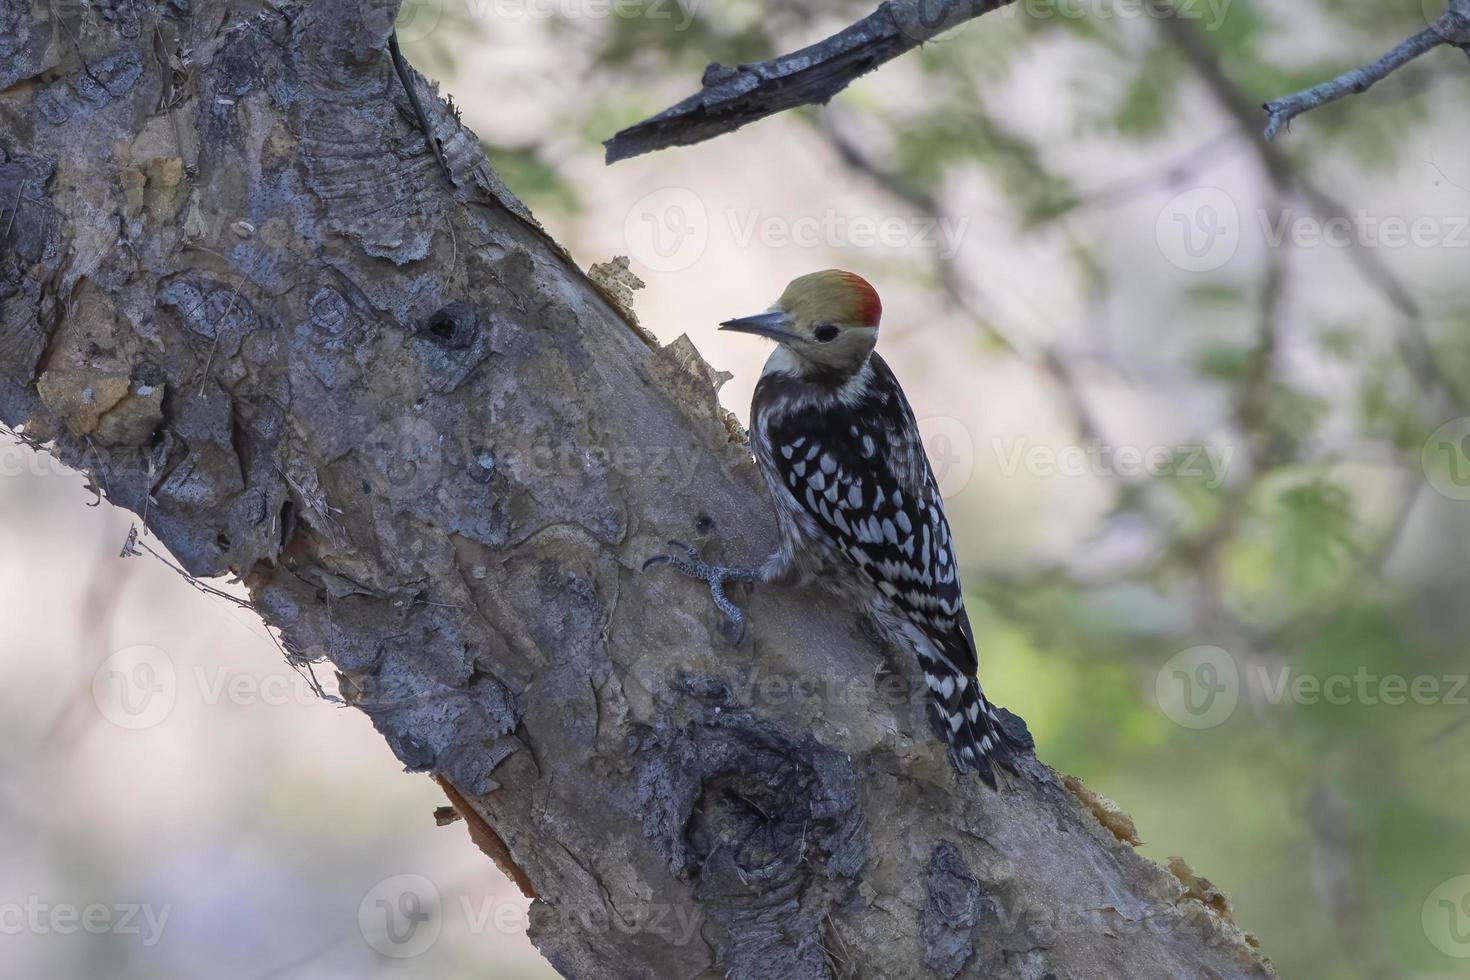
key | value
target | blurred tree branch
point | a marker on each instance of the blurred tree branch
(1287, 177)
(734, 97)
(1452, 27)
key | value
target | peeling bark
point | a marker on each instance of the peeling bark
(238, 290)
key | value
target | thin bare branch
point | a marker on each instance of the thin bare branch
(732, 97)
(1453, 27)
(1283, 110)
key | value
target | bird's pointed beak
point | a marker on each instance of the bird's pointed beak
(774, 324)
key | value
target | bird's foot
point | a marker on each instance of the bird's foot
(692, 566)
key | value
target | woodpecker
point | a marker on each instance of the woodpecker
(856, 501)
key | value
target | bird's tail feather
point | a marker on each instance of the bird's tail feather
(968, 723)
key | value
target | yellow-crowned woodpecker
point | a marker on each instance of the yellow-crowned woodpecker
(858, 507)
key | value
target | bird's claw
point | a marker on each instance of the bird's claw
(691, 566)
(714, 575)
(732, 612)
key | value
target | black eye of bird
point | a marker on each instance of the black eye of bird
(825, 333)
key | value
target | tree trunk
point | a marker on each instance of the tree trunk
(238, 290)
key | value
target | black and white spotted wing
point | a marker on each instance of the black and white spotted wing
(860, 473)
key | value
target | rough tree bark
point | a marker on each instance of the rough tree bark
(239, 292)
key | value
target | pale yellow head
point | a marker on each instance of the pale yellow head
(828, 320)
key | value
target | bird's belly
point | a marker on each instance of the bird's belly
(819, 560)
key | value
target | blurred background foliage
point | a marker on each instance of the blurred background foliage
(1120, 613)
(1326, 550)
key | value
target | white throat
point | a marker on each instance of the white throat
(784, 361)
(789, 364)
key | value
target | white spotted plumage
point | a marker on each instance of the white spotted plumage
(857, 503)
(873, 524)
